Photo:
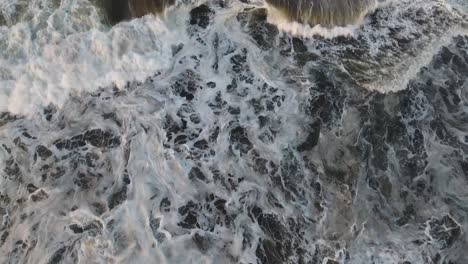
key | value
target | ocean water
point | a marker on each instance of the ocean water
(223, 132)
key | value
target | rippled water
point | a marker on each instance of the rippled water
(221, 132)
(327, 13)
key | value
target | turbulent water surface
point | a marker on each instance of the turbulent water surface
(234, 131)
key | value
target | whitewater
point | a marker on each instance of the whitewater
(234, 132)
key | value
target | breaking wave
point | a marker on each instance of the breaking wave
(233, 131)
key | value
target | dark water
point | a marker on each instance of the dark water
(121, 10)
(327, 13)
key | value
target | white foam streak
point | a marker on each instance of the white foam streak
(303, 30)
(413, 67)
(46, 65)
